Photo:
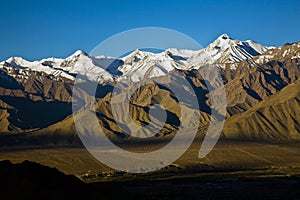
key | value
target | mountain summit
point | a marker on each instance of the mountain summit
(225, 50)
(260, 85)
(224, 36)
(138, 64)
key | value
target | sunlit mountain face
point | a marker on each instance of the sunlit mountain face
(260, 81)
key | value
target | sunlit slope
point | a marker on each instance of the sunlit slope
(276, 118)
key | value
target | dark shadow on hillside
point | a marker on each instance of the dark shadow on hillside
(29, 180)
(29, 114)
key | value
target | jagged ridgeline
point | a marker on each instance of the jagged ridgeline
(261, 85)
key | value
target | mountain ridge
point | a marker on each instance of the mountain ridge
(132, 67)
(248, 82)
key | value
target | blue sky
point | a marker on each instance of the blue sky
(39, 29)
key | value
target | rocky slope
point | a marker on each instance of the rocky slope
(276, 118)
(261, 86)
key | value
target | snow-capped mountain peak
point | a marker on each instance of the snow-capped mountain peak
(78, 62)
(139, 64)
(223, 42)
(224, 36)
(77, 54)
(226, 50)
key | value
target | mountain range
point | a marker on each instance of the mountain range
(261, 83)
(138, 64)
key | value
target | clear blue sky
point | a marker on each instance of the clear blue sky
(38, 29)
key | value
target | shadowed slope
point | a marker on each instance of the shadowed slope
(274, 119)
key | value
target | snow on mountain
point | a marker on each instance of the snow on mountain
(79, 62)
(222, 51)
(82, 63)
(225, 50)
(138, 64)
(280, 53)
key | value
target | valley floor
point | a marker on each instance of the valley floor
(227, 155)
(233, 170)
